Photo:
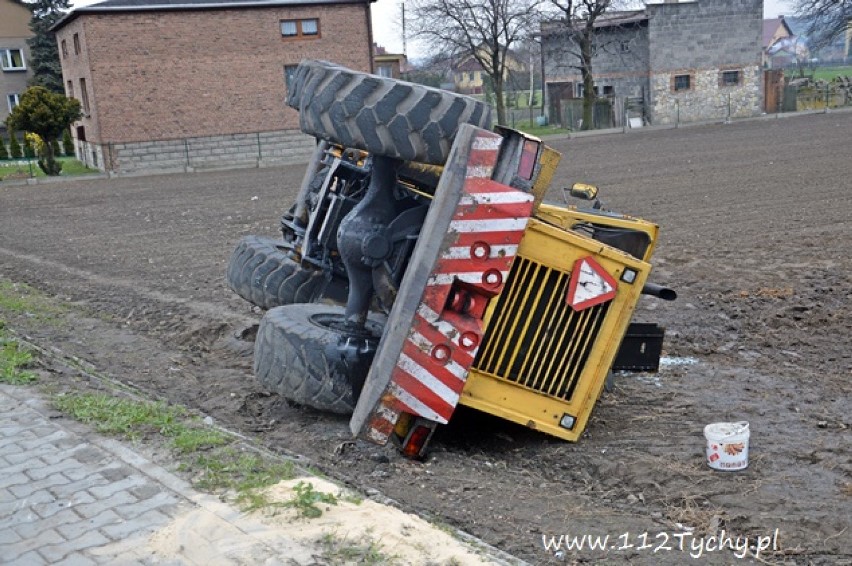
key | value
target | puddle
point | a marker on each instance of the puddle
(687, 361)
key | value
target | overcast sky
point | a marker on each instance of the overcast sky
(387, 28)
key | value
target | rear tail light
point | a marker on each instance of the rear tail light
(413, 435)
(529, 157)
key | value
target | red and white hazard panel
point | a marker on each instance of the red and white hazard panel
(471, 267)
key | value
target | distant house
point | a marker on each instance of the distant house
(388, 64)
(199, 83)
(680, 61)
(781, 47)
(469, 77)
(776, 33)
(14, 54)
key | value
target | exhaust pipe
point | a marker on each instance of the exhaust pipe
(664, 293)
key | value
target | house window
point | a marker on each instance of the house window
(64, 48)
(12, 60)
(310, 27)
(84, 96)
(625, 47)
(608, 91)
(76, 44)
(730, 78)
(385, 71)
(682, 82)
(289, 73)
(300, 28)
(13, 100)
(70, 89)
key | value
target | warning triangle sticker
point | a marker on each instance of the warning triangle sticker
(590, 285)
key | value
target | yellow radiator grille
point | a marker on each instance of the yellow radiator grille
(535, 339)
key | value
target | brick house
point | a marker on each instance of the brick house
(199, 83)
(14, 54)
(386, 64)
(678, 61)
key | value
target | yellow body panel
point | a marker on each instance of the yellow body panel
(527, 389)
(568, 217)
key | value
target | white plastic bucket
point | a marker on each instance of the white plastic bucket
(727, 446)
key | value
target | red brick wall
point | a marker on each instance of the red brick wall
(163, 75)
(74, 68)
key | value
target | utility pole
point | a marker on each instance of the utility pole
(404, 48)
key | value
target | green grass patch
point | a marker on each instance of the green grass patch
(829, 73)
(14, 359)
(23, 169)
(21, 299)
(246, 475)
(337, 550)
(197, 439)
(306, 500)
(540, 131)
(204, 452)
(123, 417)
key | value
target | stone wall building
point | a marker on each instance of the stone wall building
(684, 61)
(200, 83)
(14, 55)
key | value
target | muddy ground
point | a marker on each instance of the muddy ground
(755, 222)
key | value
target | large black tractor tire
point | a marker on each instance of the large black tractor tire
(384, 116)
(261, 273)
(303, 354)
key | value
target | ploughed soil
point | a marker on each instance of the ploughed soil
(755, 223)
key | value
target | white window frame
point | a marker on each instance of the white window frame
(12, 100)
(6, 60)
(385, 71)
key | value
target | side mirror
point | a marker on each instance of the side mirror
(582, 191)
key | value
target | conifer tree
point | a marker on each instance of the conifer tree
(44, 54)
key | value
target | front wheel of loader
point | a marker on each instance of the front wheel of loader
(305, 353)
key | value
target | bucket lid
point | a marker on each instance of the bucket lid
(726, 429)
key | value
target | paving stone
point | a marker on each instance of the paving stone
(67, 490)
(143, 524)
(108, 489)
(24, 490)
(73, 530)
(9, 536)
(134, 510)
(59, 551)
(31, 558)
(89, 510)
(51, 438)
(75, 559)
(25, 466)
(7, 482)
(34, 528)
(12, 552)
(40, 473)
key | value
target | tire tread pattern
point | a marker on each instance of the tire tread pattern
(381, 115)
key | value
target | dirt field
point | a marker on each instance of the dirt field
(755, 219)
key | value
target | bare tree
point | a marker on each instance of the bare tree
(827, 19)
(579, 41)
(483, 29)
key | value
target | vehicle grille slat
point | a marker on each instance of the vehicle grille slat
(537, 341)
